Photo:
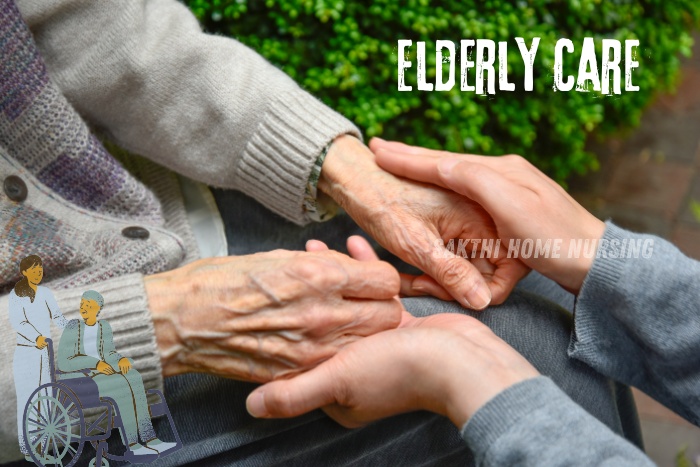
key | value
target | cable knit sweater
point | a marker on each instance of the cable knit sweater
(142, 73)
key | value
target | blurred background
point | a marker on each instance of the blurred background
(633, 158)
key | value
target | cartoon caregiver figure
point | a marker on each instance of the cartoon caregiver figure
(32, 307)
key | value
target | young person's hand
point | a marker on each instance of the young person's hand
(414, 221)
(523, 202)
(41, 342)
(449, 364)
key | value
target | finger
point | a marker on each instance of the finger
(290, 398)
(505, 278)
(481, 183)
(374, 279)
(316, 245)
(415, 167)
(417, 286)
(326, 273)
(314, 319)
(457, 276)
(360, 249)
(402, 148)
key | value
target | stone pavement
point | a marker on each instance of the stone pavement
(649, 181)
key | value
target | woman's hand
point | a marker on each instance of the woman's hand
(523, 202)
(41, 342)
(449, 364)
(414, 221)
(263, 316)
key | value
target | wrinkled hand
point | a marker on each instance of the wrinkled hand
(523, 202)
(449, 364)
(41, 342)
(124, 365)
(421, 366)
(105, 368)
(263, 316)
(414, 221)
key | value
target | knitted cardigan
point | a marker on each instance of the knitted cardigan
(143, 74)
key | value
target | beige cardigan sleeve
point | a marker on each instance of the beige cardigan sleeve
(202, 105)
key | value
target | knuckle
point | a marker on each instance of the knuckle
(451, 272)
(317, 272)
(390, 278)
(518, 161)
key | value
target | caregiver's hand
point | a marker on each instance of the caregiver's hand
(263, 316)
(413, 220)
(523, 202)
(452, 368)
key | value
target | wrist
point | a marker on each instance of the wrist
(470, 383)
(572, 278)
(163, 303)
(347, 162)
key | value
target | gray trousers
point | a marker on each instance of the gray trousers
(128, 392)
(216, 430)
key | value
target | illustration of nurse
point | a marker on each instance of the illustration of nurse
(32, 307)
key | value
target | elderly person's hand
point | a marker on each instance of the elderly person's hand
(449, 364)
(263, 316)
(413, 221)
(522, 201)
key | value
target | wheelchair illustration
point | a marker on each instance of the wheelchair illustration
(56, 429)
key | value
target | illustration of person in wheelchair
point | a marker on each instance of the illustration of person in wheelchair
(93, 375)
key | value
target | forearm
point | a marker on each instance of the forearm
(637, 319)
(534, 423)
(203, 105)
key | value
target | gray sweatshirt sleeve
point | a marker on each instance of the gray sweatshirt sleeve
(637, 319)
(205, 106)
(534, 423)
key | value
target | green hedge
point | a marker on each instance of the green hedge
(345, 52)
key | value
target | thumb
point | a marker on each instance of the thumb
(292, 397)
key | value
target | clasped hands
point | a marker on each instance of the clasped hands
(278, 314)
(422, 364)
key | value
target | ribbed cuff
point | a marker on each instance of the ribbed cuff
(507, 411)
(598, 293)
(277, 162)
(126, 309)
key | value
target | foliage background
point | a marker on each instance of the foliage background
(345, 52)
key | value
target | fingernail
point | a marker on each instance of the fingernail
(480, 296)
(256, 404)
(446, 165)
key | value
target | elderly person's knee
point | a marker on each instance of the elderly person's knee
(134, 377)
